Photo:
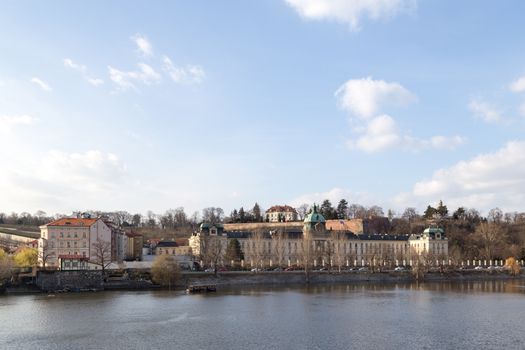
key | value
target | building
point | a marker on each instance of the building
(313, 243)
(281, 213)
(135, 246)
(119, 242)
(71, 240)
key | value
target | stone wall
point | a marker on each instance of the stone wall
(235, 279)
(243, 278)
(72, 280)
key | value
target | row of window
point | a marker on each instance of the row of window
(68, 235)
(68, 244)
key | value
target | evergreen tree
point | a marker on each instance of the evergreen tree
(257, 217)
(429, 212)
(234, 216)
(442, 210)
(342, 209)
(233, 251)
(327, 210)
(242, 215)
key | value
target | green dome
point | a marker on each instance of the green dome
(314, 217)
(433, 230)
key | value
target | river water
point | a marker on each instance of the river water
(474, 315)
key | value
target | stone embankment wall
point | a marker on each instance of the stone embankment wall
(240, 279)
(84, 280)
(73, 280)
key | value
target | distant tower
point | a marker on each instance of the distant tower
(314, 223)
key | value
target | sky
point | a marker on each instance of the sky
(151, 105)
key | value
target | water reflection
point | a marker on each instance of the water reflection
(469, 315)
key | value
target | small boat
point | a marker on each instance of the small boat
(198, 288)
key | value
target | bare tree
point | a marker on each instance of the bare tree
(302, 210)
(165, 270)
(490, 237)
(339, 244)
(257, 242)
(212, 251)
(279, 239)
(101, 253)
(495, 215)
(356, 211)
(307, 254)
(44, 253)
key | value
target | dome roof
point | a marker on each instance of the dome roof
(433, 230)
(314, 216)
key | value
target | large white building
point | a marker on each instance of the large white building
(281, 213)
(286, 244)
(68, 243)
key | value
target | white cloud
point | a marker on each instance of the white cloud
(92, 168)
(127, 80)
(446, 142)
(95, 81)
(7, 122)
(83, 70)
(143, 45)
(42, 84)
(382, 134)
(63, 180)
(351, 11)
(70, 64)
(518, 85)
(484, 111)
(486, 181)
(366, 97)
(191, 74)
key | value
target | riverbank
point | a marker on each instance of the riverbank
(81, 281)
(299, 277)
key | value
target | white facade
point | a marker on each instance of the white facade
(70, 237)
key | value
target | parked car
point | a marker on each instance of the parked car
(478, 268)
(209, 269)
(363, 269)
(255, 269)
(400, 268)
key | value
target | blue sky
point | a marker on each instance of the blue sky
(156, 105)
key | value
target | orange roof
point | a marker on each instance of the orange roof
(281, 208)
(78, 222)
(353, 225)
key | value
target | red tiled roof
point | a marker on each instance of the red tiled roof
(281, 208)
(77, 222)
(73, 256)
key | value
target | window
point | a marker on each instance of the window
(83, 235)
(84, 244)
(61, 234)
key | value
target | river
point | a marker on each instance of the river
(474, 315)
